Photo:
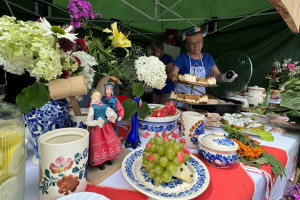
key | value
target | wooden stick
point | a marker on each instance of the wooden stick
(196, 90)
(75, 106)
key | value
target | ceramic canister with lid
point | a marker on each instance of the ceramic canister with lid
(255, 95)
(217, 149)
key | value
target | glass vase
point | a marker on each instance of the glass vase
(133, 139)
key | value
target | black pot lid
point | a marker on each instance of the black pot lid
(241, 64)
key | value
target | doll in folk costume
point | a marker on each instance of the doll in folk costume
(104, 142)
(112, 101)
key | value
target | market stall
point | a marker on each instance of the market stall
(82, 123)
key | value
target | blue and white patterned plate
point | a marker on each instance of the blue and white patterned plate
(177, 189)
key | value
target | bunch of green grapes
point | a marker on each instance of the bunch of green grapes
(162, 157)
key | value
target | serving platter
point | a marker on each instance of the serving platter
(133, 172)
(194, 83)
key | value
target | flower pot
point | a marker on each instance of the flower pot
(52, 115)
(77, 121)
(63, 162)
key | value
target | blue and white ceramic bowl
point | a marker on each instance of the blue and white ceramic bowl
(217, 150)
(157, 124)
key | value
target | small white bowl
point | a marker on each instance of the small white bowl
(157, 124)
(217, 150)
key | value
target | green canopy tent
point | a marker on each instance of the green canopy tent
(252, 27)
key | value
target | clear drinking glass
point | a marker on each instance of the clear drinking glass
(12, 152)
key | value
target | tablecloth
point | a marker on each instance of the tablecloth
(287, 142)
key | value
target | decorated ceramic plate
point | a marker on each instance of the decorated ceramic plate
(176, 189)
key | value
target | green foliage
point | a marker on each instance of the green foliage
(33, 96)
(143, 111)
(138, 89)
(130, 107)
(290, 101)
(264, 159)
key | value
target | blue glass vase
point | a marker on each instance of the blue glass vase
(52, 115)
(133, 139)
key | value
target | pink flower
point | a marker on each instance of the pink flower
(156, 133)
(291, 67)
(61, 164)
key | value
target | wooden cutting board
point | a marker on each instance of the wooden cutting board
(96, 175)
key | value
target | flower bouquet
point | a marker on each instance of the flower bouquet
(47, 52)
(151, 71)
(282, 73)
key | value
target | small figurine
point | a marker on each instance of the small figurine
(104, 142)
(112, 101)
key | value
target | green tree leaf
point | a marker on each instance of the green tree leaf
(38, 94)
(22, 103)
(143, 110)
(138, 89)
(290, 99)
(294, 116)
(130, 107)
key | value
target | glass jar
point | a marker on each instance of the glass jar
(12, 152)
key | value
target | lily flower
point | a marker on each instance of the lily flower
(57, 31)
(118, 38)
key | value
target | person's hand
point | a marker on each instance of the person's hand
(229, 76)
(119, 118)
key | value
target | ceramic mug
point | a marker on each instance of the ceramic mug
(192, 125)
(63, 162)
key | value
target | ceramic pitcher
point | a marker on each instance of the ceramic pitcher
(63, 162)
(192, 125)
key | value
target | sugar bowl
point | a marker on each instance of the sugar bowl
(217, 150)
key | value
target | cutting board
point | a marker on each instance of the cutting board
(96, 175)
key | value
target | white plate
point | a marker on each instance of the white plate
(83, 196)
(177, 189)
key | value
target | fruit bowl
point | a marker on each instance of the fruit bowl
(157, 124)
(217, 150)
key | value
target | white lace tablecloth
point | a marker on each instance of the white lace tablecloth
(287, 142)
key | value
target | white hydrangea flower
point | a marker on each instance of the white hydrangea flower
(87, 61)
(151, 71)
